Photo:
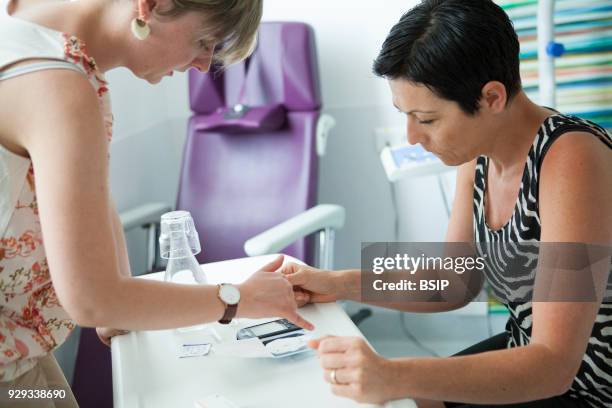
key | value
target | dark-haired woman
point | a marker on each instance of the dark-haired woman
(526, 174)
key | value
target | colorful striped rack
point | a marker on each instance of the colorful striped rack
(583, 74)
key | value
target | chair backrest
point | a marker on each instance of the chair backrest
(239, 182)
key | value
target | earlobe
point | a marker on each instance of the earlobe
(145, 9)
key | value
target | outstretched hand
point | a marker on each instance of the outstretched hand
(310, 285)
(268, 294)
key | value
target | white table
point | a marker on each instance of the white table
(147, 372)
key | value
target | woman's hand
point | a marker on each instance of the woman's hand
(267, 293)
(354, 370)
(311, 285)
(105, 334)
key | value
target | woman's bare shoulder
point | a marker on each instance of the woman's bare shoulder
(46, 101)
(575, 189)
(578, 151)
(16, 7)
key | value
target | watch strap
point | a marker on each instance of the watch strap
(229, 314)
(230, 310)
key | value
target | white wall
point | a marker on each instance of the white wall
(349, 36)
(150, 129)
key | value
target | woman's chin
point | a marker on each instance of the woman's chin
(451, 161)
(152, 79)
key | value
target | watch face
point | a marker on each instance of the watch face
(229, 294)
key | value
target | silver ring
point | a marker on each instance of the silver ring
(332, 376)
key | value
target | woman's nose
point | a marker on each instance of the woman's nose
(202, 64)
(414, 136)
(412, 139)
(201, 67)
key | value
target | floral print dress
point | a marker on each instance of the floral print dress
(32, 320)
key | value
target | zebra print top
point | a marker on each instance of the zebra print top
(593, 383)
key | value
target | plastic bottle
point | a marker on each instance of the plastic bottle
(179, 244)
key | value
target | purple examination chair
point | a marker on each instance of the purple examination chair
(249, 164)
(250, 157)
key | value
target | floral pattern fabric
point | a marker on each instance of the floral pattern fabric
(32, 320)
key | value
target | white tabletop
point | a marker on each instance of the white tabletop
(147, 372)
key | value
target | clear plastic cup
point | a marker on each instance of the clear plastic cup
(179, 243)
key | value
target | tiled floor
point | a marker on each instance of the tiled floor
(440, 333)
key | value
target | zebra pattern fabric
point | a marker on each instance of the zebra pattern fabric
(593, 383)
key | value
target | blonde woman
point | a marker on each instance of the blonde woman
(55, 129)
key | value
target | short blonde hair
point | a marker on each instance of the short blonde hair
(232, 24)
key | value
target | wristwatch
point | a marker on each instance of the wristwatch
(230, 296)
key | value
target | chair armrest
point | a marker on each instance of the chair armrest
(317, 218)
(143, 215)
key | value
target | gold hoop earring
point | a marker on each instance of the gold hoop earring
(140, 28)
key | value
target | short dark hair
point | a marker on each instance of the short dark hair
(454, 47)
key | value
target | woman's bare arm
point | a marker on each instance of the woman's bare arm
(120, 245)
